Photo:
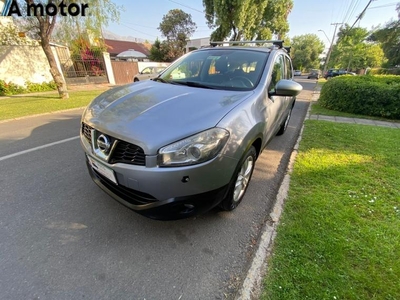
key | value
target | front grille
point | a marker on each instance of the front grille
(128, 154)
(123, 152)
(127, 194)
(87, 132)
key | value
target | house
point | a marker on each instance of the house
(194, 44)
(114, 47)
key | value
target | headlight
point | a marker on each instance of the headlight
(193, 150)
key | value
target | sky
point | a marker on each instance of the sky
(140, 19)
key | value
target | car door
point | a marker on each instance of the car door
(275, 104)
(146, 73)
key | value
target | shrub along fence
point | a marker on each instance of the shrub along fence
(9, 88)
(365, 95)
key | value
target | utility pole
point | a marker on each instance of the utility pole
(330, 48)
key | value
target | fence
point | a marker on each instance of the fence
(124, 71)
(84, 66)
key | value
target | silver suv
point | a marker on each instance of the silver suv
(188, 140)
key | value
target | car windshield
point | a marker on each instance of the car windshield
(227, 69)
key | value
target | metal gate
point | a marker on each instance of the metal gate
(83, 67)
(124, 71)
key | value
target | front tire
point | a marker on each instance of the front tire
(240, 181)
(285, 124)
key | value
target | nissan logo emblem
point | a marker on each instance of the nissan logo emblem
(103, 143)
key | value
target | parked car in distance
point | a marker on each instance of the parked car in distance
(148, 73)
(314, 73)
(170, 148)
(297, 73)
(335, 72)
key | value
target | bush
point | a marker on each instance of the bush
(40, 87)
(8, 89)
(365, 95)
(383, 71)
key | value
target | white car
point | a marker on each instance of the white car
(148, 73)
(297, 73)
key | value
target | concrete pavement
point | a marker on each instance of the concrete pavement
(354, 121)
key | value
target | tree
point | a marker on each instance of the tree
(177, 27)
(158, 51)
(9, 35)
(43, 26)
(305, 51)
(247, 19)
(389, 37)
(354, 51)
(398, 9)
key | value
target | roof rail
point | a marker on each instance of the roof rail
(278, 43)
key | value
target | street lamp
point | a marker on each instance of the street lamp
(330, 47)
(325, 35)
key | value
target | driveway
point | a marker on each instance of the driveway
(61, 237)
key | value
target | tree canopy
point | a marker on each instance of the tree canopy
(247, 19)
(158, 52)
(389, 37)
(353, 51)
(305, 51)
(177, 27)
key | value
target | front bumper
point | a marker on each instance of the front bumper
(169, 209)
(164, 192)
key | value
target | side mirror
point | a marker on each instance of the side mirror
(288, 88)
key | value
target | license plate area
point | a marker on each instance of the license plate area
(102, 169)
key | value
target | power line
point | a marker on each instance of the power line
(140, 25)
(353, 10)
(139, 31)
(349, 10)
(203, 12)
(386, 5)
(362, 14)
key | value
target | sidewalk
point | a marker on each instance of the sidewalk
(354, 121)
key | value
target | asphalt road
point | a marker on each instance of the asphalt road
(61, 237)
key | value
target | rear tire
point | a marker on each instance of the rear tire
(135, 80)
(240, 181)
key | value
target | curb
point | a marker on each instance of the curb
(252, 285)
(43, 114)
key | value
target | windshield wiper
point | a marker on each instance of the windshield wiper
(194, 84)
(160, 80)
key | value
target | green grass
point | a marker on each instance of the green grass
(339, 235)
(25, 105)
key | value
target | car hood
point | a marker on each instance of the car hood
(152, 114)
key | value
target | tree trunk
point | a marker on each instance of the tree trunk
(58, 79)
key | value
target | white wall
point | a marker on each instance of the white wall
(22, 63)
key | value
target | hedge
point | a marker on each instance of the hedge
(10, 88)
(364, 95)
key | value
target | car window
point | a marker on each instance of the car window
(278, 72)
(233, 69)
(289, 69)
(159, 70)
(147, 70)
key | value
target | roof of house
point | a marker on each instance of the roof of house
(115, 47)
